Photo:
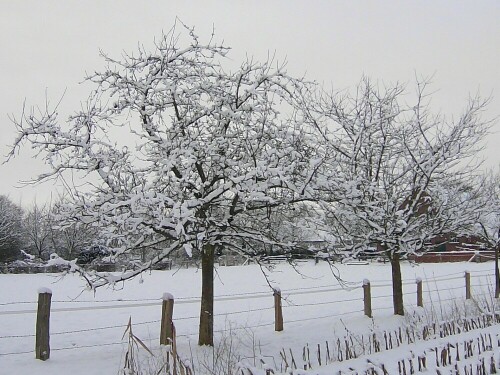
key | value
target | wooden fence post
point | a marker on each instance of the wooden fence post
(467, 285)
(420, 299)
(367, 298)
(167, 325)
(42, 340)
(278, 313)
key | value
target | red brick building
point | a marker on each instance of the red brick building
(455, 249)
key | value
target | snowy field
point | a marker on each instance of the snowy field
(87, 328)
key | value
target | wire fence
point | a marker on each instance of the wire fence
(482, 282)
(290, 291)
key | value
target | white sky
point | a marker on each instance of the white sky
(48, 46)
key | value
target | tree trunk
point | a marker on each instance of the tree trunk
(497, 272)
(397, 284)
(206, 333)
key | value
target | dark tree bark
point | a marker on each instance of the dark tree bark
(397, 284)
(497, 272)
(206, 333)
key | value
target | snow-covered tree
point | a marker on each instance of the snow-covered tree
(37, 231)
(487, 227)
(178, 152)
(10, 229)
(399, 175)
(69, 240)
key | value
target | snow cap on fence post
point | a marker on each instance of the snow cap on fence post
(167, 296)
(44, 290)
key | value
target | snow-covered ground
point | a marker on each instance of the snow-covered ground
(87, 328)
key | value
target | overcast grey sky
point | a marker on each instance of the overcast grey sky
(47, 46)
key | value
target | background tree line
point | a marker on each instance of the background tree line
(36, 232)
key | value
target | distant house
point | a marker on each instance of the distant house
(449, 248)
